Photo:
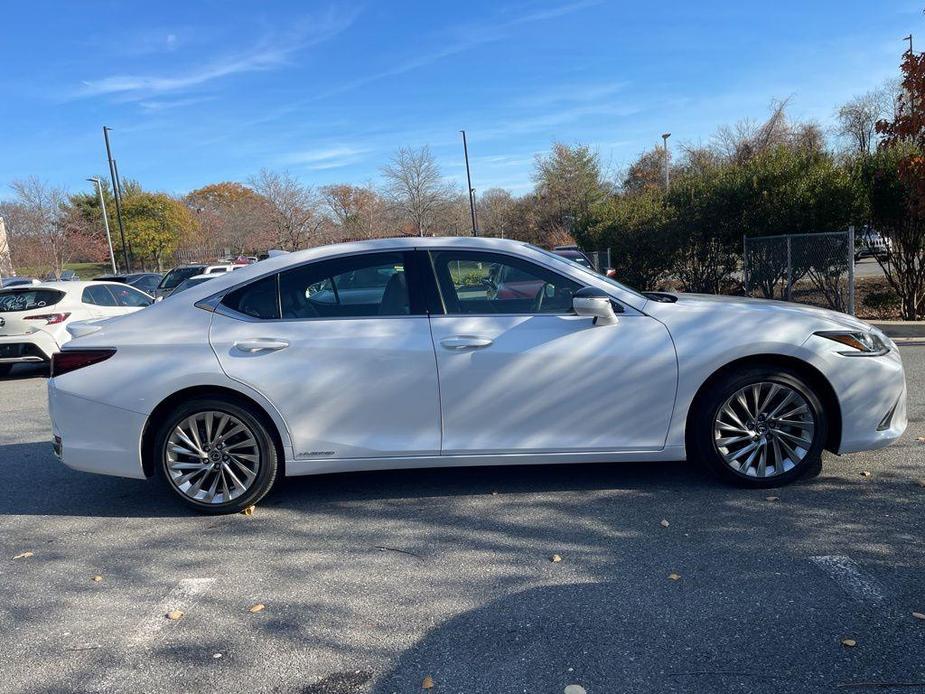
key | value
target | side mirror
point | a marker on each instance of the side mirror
(591, 301)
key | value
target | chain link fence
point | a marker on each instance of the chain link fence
(808, 268)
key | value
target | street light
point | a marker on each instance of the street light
(117, 195)
(665, 137)
(475, 229)
(99, 189)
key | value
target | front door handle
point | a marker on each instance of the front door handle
(462, 342)
(261, 344)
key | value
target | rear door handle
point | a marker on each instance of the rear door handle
(261, 344)
(462, 342)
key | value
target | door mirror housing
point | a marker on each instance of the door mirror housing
(591, 301)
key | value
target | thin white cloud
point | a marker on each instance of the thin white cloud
(462, 38)
(270, 53)
(329, 158)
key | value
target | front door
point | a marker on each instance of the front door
(519, 372)
(343, 350)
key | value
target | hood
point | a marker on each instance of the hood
(761, 311)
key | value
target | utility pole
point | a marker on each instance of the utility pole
(99, 189)
(909, 39)
(118, 198)
(475, 230)
(665, 137)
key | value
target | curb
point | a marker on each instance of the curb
(908, 341)
(901, 329)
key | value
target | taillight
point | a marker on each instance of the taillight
(73, 359)
(50, 318)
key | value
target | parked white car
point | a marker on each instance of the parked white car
(34, 318)
(181, 273)
(401, 353)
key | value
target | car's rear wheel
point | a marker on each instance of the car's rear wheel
(216, 456)
(760, 427)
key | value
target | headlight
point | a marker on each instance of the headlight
(862, 344)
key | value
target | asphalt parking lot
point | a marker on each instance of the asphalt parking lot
(373, 582)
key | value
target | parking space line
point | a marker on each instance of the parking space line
(180, 598)
(849, 577)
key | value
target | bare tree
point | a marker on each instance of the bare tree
(743, 140)
(41, 235)
(294, 214)
(414, 184)
(495, 211)
(857, 118)
(358, 211)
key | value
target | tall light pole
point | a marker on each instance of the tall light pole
(475, 230)
(665, 137)
(118, 198)
(99, 189)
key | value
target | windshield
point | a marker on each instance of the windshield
(29, 299)
(178, 274)
(572, 263)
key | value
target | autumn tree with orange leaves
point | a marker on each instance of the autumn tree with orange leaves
(896, 184)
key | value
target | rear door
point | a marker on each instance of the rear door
(342, 347)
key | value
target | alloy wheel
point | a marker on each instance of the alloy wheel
(212, 457)
(764, 430)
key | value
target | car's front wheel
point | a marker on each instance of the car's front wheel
(759, 427)
(216, 456)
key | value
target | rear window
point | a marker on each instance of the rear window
(28, 299)
(177, 275)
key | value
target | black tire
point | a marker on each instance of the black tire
(701, 440)
(5, 370)
(268, 462)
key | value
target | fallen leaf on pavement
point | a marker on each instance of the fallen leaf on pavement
(259, 607)
(216, 655)
(772, 498)
(96, 579)
(865, 473)
(921, 439)
(555, 558)
(428, 683)
(249, 511)
(918, 615)
(664, 524)
(575, 689)
(23, 555)
(174, 615)
(849, 643)
(674, 577)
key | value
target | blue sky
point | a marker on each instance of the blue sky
(199, 92)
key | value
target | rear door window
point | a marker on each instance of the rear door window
(366, 285)
(129, 297)
(99, 295)
(28, 299)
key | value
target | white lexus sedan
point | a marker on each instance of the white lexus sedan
(404, 353)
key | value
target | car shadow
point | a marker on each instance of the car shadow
(66, 492)
(22, 372)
